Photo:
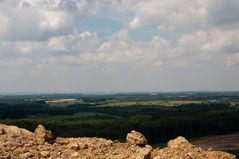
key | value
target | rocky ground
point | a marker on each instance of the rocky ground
(17, 143)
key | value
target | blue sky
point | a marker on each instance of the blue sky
(119, 46)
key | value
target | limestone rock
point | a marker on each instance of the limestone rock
(73, 146)
(41, 135)
(45, 154)
(20, 147)
(144, 153)
(180, 148)
(136, 138)
(178, 142)
(13, 131)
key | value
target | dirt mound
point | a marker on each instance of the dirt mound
(180, 148)
(17, 143)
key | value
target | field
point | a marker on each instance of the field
(229, 143)
(152, 102)
(62, 102)
(220, 142)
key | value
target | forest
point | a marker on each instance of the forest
(157, 123)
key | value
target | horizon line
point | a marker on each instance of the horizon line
(116, 92)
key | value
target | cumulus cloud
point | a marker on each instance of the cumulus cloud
(53, 21)
(146, 37)
(224, 41)
(189, 50)
(179, 15)
(75, 42)
(120, 48)
(33, 19)
(183, 16)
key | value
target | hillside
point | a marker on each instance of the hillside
(17, 143)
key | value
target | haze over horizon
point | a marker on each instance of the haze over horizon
(119, 46)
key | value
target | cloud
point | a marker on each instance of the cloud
(223, 12)
(185, 16)
(190, 49)
(20, 48)
(118, 49)
(15, 62)
(4, 25)
(35, 20)
(74, 43)
(156, 41)
(224, 41)
(54, 21)
(179, 15)
(232, 60)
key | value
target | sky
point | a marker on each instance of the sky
(77, 46)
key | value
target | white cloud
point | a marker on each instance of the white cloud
(232, 60)
(50, 4)
(120, 48)
(4, 25)
(34, 19)
(74, 42)
(20, 48)
(30, 47)
(152, 38)
(225, 41)
(177, 15)
(54, 20)
(185, 16)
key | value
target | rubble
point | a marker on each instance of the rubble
(17, 143)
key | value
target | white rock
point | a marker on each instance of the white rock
(136, 138)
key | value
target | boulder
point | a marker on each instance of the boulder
(41, 135)
(180, 148)
(14, 131)
(136, 138)
(180, 141)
